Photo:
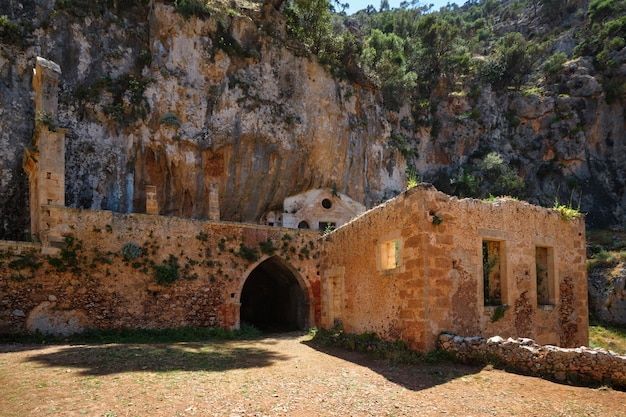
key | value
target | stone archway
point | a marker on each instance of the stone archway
(273, 299)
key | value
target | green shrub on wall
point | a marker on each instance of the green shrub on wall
(131, 251)
(69, 258)
(168, 271)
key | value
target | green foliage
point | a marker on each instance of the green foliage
(189, 8)
(249, 254)
(492, 69)
(605, 250)
(608, 337)
(371, 344)
(498, 313)
(48, 120)
(225, 41)
(170, 119)
(309, 21)
(69, 258)
(614, 89)
(202, 236)
(384, 61)
(168, 272)
(10, 32)
(513, 58)
(145, 58)
(568, 212)
(438, 50)
(84, 8)
(128, 103)
(488, 264)
(134, 336)
(401, 144)
(490, 176)
(553, 10)
(128, 111)
(412, 178)
(600, 10)
(267, 247)
(605, 259)
(131, 251)
(555, 63)
(26, 261)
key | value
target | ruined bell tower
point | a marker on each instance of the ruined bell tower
(45, 160)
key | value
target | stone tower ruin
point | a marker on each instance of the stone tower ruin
(45, 160)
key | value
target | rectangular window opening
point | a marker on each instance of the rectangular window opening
(493, 270)
(389, 255)
(545, 276)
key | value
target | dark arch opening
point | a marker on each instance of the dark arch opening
(272, 299)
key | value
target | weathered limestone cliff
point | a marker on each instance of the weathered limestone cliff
(151, 98)
(156, 99)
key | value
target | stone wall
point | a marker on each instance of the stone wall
(105, 275)
(575, 365)
(414, 267)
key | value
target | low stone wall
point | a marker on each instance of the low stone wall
(578, 365)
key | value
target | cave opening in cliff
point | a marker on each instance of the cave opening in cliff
(272, 298)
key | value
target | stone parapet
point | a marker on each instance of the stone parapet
(580, 365)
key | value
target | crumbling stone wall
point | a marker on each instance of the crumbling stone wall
(436, 281)
(575, 365)
(105, 276)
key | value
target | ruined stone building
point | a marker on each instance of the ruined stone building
(408, 269)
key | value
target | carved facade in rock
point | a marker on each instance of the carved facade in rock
(321, 209)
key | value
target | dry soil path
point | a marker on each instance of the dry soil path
(274, 376)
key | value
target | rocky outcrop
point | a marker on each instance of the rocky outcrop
(607, 298)
(183, 103)
(151, 98)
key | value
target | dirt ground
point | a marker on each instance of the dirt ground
(283, 375)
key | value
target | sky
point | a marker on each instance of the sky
(356, 5)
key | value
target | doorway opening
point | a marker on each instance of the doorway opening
(272, 298)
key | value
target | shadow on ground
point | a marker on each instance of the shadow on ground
(414, 377)
(214, 356)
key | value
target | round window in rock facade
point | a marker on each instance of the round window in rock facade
(326, 203)
(303, 225)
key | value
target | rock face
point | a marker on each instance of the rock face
(181, 104)
(607, 298)
(150, 98)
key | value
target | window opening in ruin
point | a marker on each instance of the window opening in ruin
(545, 275)
(326, 203)
(303, 225)
(389, 255)
(493, 261)
(327, 226)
